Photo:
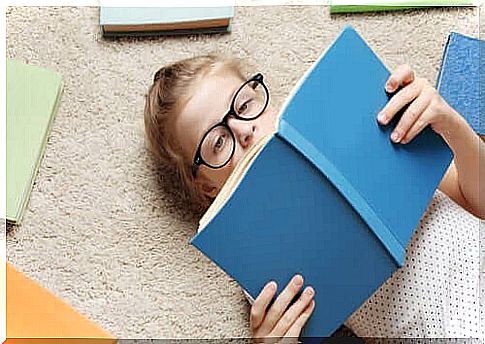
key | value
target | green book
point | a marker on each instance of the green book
(32, 100)
(346, 6)
(122, 21)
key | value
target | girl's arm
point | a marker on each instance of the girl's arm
(427, 107)
(462, 180)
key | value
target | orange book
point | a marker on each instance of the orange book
(35, 315)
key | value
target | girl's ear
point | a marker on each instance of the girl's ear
(206, 186)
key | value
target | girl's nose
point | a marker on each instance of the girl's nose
(243, 131)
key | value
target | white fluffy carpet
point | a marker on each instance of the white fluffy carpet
(105, 228)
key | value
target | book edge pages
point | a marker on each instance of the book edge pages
(186, 25)
(233, 181)
(444, 60)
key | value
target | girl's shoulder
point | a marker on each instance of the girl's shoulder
(449, 210)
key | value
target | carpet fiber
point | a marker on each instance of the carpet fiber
(105, 228)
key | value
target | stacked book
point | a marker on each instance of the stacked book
(122, 21)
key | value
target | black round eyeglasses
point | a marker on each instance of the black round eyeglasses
(218, 144)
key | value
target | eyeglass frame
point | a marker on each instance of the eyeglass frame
(198, 160)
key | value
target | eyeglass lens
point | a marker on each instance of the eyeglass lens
(250, 100)
(217, 146)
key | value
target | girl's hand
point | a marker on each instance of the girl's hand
(280, 320)
(462, 180)
(426, 106)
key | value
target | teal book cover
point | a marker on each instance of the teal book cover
(165, 20)
(329, 195)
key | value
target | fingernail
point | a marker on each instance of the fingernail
(390, 86)
(309, 291)
(298, 280)
(381, 117)
(272, 286)
(395, 137)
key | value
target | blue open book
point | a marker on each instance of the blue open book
(461, 80)
(329, 195)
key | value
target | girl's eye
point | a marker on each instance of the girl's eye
(219, 144)
(244, 107)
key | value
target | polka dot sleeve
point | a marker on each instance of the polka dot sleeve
(436, 293)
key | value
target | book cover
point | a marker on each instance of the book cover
(328, 196)
(165, 20)
(33, 95)
(35, 315)
(461, 80)
(345, 6)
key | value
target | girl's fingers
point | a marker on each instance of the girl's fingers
(410, 116)
(281, 303)
(418, 126)
(398, 101)
(259, 306)
(293, 313)
(295, 329)
(402, 76)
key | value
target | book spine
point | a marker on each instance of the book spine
(178, 32)
(345, 187)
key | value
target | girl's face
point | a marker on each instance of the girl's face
(207, 104)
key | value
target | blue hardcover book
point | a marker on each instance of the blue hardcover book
(461, 80)
(329, 195)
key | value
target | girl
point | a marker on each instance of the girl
(202, 115)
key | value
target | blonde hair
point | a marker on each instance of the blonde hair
(163, 102)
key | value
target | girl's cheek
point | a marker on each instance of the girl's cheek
(273, 119)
